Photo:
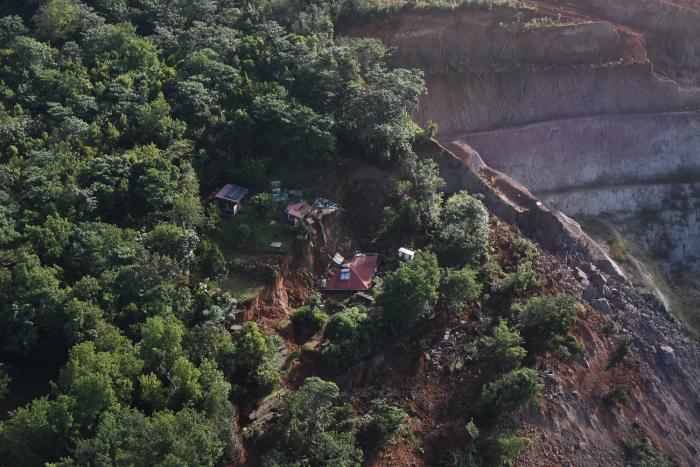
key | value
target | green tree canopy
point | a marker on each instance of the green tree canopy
(410, 291)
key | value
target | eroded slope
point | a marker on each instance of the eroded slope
(596, 111)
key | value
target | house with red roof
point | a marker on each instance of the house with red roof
(229, 198)
(297, 211)
(354, 275)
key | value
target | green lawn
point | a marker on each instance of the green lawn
(241, 285)
(262, 233)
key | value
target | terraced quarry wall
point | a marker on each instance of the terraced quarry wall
(576, 110)
(463, 103)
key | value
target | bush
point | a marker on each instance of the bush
(209, 261)
(621, 351)
(524, 251)
(352, 336)
(307, 320)
(312, 429)
(618, 395)
(516, 283)
(263, 204)
(242, 233)
(464, 236)
(410, 292)
(380, 426)
(505, 347)
(510, 392)
(545, 322)
(250, 364)
(460, 287)
(499, 450)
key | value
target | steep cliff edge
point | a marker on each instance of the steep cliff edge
(607, 132)
(568, 100)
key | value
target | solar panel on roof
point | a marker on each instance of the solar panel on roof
(236, 192)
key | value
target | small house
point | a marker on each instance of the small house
(354, 275)
(406, 254)
(297, 211)
(229, 199)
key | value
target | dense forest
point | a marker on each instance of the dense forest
(116, 117)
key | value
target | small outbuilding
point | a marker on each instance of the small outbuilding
(229, 199)
(338, 259)
(406, 254)
(354, 275)
(297, 211)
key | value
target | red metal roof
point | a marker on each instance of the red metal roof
(362, 269)
(298, 210)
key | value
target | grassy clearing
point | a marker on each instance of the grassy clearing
(242, 286)
(262, 233)
(256, 248)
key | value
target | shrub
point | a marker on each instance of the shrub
(464, 236)
(621, 351)
(518, 282)
(242, 233)
(380, 426)
(308, 320)
(5, 381)
(505, 347)
(410, 291)
(263, 204)
(250, 364)
(499, 450)
(209, 261)
(313, 429)
(524, 251)
(431, 130)
(510, 392)
(545, 322)
(618, 394)
(303, 231)
(352, 336)
(460, 287)
(618, 252)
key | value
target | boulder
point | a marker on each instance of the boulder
(580, 275)
(590, 293)
(602, 305)
(598, 279)
(668, 356)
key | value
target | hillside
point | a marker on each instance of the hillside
(593, 106)
(349, 232)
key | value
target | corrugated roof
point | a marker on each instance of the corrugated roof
(298, 210)
(231, 192)
(362, 269)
